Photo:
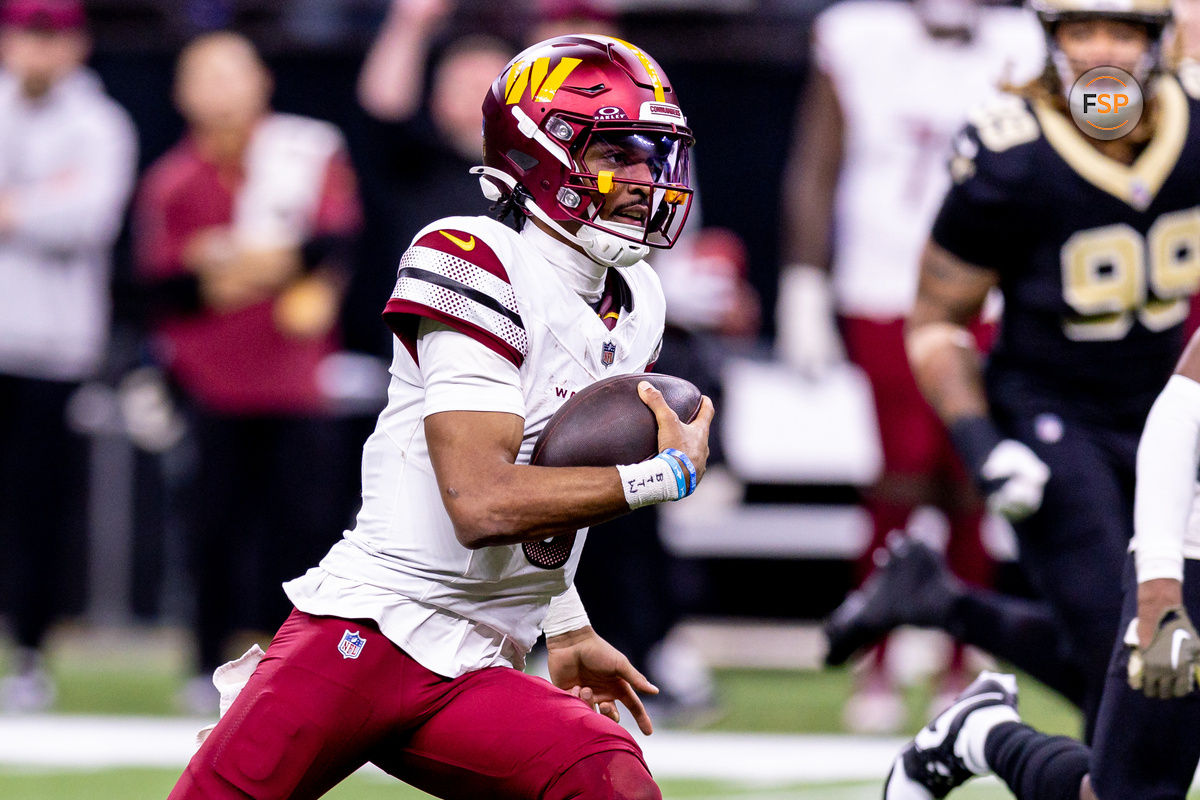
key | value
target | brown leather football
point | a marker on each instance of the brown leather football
(606, 423)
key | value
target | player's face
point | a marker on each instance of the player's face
(635, 160)
(1100, 42)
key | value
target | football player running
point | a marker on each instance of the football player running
(407, 641)
(863, 183)
(1146, 743)
(1096, 248)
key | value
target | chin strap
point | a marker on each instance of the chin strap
(600, 246)
(610, 249)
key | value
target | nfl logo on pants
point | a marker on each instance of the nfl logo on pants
(351, 644)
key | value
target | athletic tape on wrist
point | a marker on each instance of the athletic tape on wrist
(654, 480)
(687, 465)
(565, 614)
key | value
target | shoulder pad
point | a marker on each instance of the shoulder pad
(453, 276)
(1004, 122)
(992, 145)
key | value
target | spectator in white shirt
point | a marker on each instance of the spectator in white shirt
(67, 162)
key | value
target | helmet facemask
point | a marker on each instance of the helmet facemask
(631, 182)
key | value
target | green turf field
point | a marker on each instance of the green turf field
(113, 677)
(125, 784)
(141, 675)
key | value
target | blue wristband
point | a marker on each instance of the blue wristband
(687, 464)
(680, 480)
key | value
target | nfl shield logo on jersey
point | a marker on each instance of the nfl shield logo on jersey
(610, 353)
(351, 644)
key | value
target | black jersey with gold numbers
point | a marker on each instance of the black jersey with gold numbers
(1096, 259)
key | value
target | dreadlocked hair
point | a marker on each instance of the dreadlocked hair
(511, 205)
(1046, 87)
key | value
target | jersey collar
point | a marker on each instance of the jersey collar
(579, 272)
(1134, 184)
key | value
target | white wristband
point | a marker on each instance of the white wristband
(566, 614)
(648, 482)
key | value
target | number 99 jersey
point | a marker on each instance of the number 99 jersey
(1096, 259)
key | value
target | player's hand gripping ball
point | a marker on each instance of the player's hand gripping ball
(603, 425)
(606, 423)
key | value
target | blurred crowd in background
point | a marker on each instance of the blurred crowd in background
(202, 203)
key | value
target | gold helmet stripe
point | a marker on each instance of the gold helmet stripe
(655, 79)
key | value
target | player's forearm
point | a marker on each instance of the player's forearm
(947, 369)
(520, 503)
(808, 207)
(390, 81)
(941, 351)
(810, 181)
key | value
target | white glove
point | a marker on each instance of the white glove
(806, 332)
(1016, 477)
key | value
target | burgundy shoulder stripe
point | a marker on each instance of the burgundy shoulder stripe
(402, 316)
(466, 246)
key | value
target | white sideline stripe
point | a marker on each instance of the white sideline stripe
(89, 742)
(64, 742)
(94, 742)
(768, 758)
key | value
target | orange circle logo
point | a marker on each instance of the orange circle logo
(1106, 103)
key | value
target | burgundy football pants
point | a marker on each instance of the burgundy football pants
(310, 716)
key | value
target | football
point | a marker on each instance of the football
(606, 423)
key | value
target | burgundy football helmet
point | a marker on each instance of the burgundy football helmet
(572, 118)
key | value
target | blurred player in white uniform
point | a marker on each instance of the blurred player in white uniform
(406, 644)
(892, 84)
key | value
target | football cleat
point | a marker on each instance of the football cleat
(911, 587)
(949, 750)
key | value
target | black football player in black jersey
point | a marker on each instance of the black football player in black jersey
(1095, 246)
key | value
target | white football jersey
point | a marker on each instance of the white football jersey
(402, 561)
(903, 96)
